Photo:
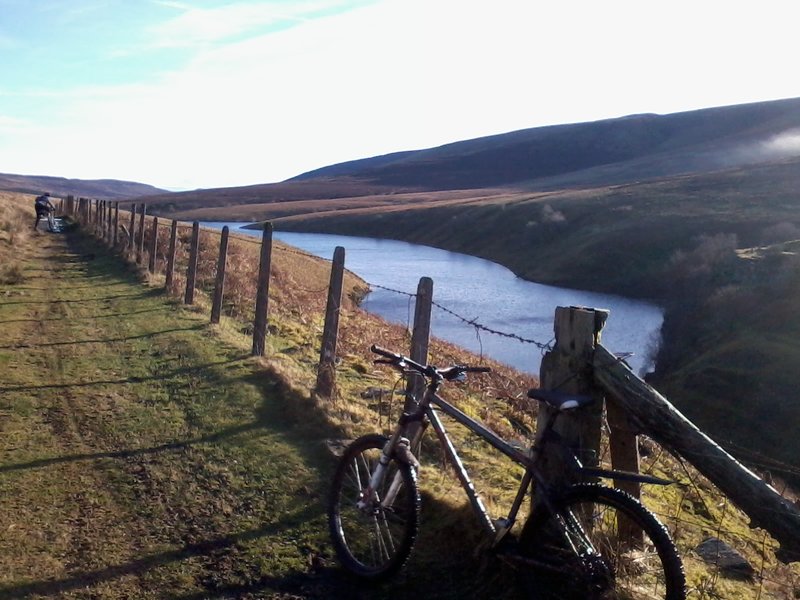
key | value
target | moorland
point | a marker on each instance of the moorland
(146, 462)
(697, 211)
(146, 454)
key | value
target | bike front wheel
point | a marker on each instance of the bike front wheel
(600, 543)
(372, 533)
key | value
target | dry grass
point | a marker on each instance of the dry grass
(16, 229)
(692, 510)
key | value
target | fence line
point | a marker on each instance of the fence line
(572, 376)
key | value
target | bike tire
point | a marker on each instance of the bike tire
(638, 559)
(373, 542)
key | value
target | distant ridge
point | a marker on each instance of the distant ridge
(602, 152)
(103, 189)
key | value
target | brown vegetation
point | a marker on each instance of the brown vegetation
(217, 511)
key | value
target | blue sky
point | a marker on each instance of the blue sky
(189, 93)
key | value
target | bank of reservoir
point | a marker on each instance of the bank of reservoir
(467, 288)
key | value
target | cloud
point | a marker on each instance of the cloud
(267, 90)
(784, 144)
(13, 125)
(198, 26)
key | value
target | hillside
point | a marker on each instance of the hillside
(104, 189)
(145, 454)
(714, 249)
(622, 206)
(604, 152)
(650, 206)
(608, 152)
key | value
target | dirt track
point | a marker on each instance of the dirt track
(140, 457)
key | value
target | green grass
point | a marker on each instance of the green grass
(715, 357)
(145, 454)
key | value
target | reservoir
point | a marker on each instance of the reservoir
(469, 289)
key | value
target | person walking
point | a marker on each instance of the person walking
(44, 208)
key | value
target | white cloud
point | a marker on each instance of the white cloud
(785, 144)
(398, 75)
(197, 26)
(14, 125)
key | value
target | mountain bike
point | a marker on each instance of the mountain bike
(581, 541)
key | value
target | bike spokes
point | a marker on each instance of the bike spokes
(601, 544)
(373, 530)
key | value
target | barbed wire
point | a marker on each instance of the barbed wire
(478, 326)
(388, 289)
(679, 516)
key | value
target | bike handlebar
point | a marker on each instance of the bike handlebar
(449, 373)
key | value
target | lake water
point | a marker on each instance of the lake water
(481, 291)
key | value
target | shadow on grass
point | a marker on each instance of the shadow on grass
(92, 317)
(130, 453)
(444, 564)
(196, 327)
(85, 300)
(205, 548)
(161, 376)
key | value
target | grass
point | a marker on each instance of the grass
(144, 453)
(653, 239)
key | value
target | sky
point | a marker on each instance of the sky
(186, 94)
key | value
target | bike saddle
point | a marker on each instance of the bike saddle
(560, 400)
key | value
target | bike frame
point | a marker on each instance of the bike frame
(528, 459)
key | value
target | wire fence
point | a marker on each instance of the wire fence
(697, 510)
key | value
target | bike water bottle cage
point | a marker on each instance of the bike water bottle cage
(560, 401)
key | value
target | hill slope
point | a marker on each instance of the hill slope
(640, 146)
(716, 250)
(608, 152)
(104, 189)
(649, 206)
(146, 455)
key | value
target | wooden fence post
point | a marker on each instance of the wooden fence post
(131, 233)
(219, 284)
(262, 292)
(420, 339)
(115, 237)
(151, 265)
(110, 224)
(140, 247)
(624, 446)
(568, 368)
(173, 235)
(191, 274)
(326, 371)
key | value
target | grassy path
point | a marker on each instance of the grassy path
(140, 456)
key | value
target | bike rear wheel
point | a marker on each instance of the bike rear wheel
(373, 540)
(600, 543)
